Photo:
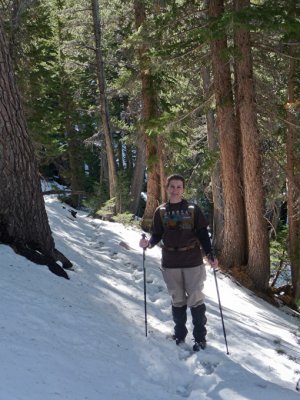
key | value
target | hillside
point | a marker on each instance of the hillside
(84, 339)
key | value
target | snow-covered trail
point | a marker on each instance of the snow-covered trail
(85, 338)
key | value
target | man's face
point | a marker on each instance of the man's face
(175, 190)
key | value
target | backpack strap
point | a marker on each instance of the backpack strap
(162, 211)
(191, 210)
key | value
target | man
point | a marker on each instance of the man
(182, 228)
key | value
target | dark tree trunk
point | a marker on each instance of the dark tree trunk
(234, 244)
(112, 170)
(293, 172)
(76, 166)
(150, 110)
(162, 175)
(23, 219)
(258, 265)
(76, 169)
(216, 184)
(138, 175)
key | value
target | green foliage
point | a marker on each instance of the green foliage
(35, 56)
(66, 199)
(96, 198)
(123, 190)
(56, 72)
(124, 218)
(107, 211)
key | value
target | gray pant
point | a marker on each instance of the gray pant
(185, 285)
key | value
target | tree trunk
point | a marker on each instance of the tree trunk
(153, 184)
(216, 184)
(13, 11)
(76, 171)
(103, 176)
(112, 171)
(138, 174)
(23, 219)
(150, 110)
(76, 165)
(293, 177)
(162, 175)
(258, 266)
(234, 244)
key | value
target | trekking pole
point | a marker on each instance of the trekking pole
(221, 312)
(145, 293)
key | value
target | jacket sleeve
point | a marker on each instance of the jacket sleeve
(157, 229)
(202, 232)
(203, 236)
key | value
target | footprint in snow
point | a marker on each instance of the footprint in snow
(153, 297)
(125, 245)
(99, 245)
(134, 266)
(184, 390)
(137, 275)
(208, 367)
(159, 289)
(156, 293)
(113, 255)
(204, 366)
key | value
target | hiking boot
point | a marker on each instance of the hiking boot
(199, 322)
(179, 318)
(177, 340)
(199, 346)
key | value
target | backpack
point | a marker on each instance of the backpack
(185, 217)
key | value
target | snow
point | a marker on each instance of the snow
(84, 338)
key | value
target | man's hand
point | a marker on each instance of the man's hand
(212, 260)
(213, 263)
(144, 243)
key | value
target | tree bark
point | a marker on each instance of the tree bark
(76, 165)
(293, 176)
(216, 184)
(258, 265)
(162, 175)
(150, 110)
(234, 244)
(23, 219)
(76, 169)
(112, 171)
(138, 174)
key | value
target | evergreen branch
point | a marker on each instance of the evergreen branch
(66, 192)
(269, 47)
(81, 10)
(189, 113)
(289, 122)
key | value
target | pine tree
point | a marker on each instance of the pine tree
(258, 263)
(150, 103)
(23, 218)
(234, 244)
(112, 173)
(293, 156)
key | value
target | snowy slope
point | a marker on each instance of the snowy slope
(84, 339)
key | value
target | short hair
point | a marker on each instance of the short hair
(175, 177)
